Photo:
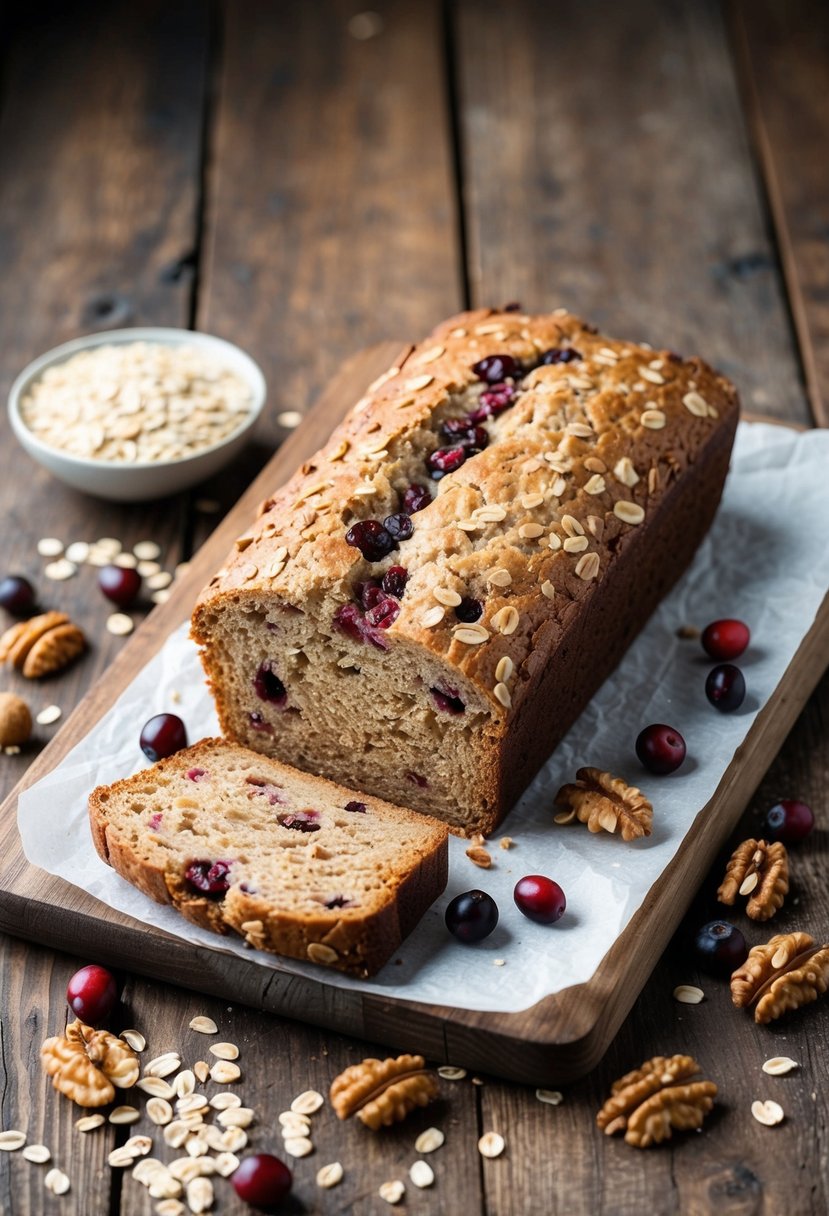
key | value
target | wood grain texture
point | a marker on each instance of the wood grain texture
(783, 51)
(608, 170)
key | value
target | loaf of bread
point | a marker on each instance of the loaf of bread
(423, 610)
(294, 864)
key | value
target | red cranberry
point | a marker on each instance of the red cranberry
(384, 614)
(350, 621)
(725, 687)
(495, 368)
(268, 685)
(539, 898)
(447, 700)
(469, 610)
(399, 526)
(196, 774)
(369, 592)
(162, 736)
(17, 595)
(356, 808)
(725, 639)
(119, 584)
(301, 821)
(415, 499)
(262, 1181)
(394, 581)
(494, 401)
(92, 994)
(721, 947)
(472, 916)
(371, 538)
(462, 431)
(560, 354)
(258, 723)
(209, 878)
(156, 821)
(445, 460)
(418, 780)
(265, 789)
(789, 821)
(660, 748)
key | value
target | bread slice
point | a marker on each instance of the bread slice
(294, 864)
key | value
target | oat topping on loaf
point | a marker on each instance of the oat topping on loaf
(292, 863)
(464, 513)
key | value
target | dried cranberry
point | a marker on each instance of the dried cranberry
(369, 593)
(394, 581)
(350, 621)
(265, 789)
(384, 614)
(196, 774)
(356, 808)
(210, 878)
(268, 685)
(400, 526)
(445, 460)
(301, 821)
(416, 498)
(447, 700)
(155, 821)
(495, 368)
(371, 538)
(560, 354)
(494, 401)
(469, 610)
(258, 722)
(464, 432)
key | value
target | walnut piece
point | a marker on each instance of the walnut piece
(88, 1065)
(647, 1104)
(382, 1092)
(761, 871)
(631, 1090)
(607, 803)
(783, 974)
(42, 645)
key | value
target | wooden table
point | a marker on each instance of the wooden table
(304, 180)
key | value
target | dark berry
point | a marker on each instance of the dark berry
(268, 685)
(416, 498)
(469, 610)
(472, 916)
(162, 736)
(369, 593)
(447, 700)
(209, 878)
(265, 789)
(92, 994)
(301, 821)
(493, 401)
(660, 748)
(463, 431)
(539, 898)
(356, 808)
(337, 901)
(371, 538)
(495, 368)
(400, 526)
(789, 821)
(418, 780)
(725, 687)
(258, 722)
(560, 354)
(384, 613)
(394, 581)
(726, 639)
(349, 620)
(445, 460)
(513, 306)
(262, 1181)
(196, 774)
(119, 584)
(17, 595)
(721, 947)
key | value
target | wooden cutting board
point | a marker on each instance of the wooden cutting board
(556, 1040)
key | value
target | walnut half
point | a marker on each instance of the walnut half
(783, 974)
(760, 871)
(605, 803)
(648, 1104)
(382, 1092)
(89, 1065)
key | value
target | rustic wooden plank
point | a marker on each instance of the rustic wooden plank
(783, 53)
(609, 171)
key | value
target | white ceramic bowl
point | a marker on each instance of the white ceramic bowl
(136, 481)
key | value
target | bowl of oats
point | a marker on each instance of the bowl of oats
(134, 414)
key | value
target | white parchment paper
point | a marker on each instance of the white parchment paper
(766, 561)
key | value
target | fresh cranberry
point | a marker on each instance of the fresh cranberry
(725, 687)
(258, 722)
(350, 621)
(463, 431)
(416, 498)
(394, 581)
(399, 526)
(301, 821)
(493, 401)
(268, 685)
(560, 354)
(17, 595)
(371, 538)
(495, 368)
(448, 700)
(119, 584)
(417, 779)
(92, 994)
(789, 821)
(262, 1181)
(471, 916)
(660, 748)
(156, 821)
(369, 592)
(162, 736)
(720, 947)
(196, 774)
(356, 808)
(469, 610)
(725, 639)
(445, 460)
(209, 878)
(539, 898)
(384, 614)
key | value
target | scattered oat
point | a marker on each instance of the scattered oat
(477, 1081)
(450, 1073)
(392, 1192)
(160, 580)
(491, 1144)
(77, 552)
(422, 1174)
(225, 1073)
(564, 817)
(548, 590)
(159, 1111)
(57, 1182)
(330, 1175)
(628, 512)
(449, 599)
(184, 1083)
(160, 597)
(226, 1164)
(289, 419)
(502, 694)
(204, 1025)
(163, 1065)
(226, 1099)
(191, 1102)
(168, 1207)
(768, 1112)
(124, 1114)
(653, 419)
(299, 1146)
(551, 1096)
(127, 562)
(120, 624)
(225, 1051)
(88, 1123)
(687, 994)
(432, 616)
(149, 570)
(49, 715)
(499, 962)
(202, 1070)
(134, 1038)
(156, 1087)
(39, 1154)
(778, 1066)
(430, 1140)
(199, 1195)
(60, 570)
(307, 1103)
(147, 550)
(10, 1141)
(50, 546)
